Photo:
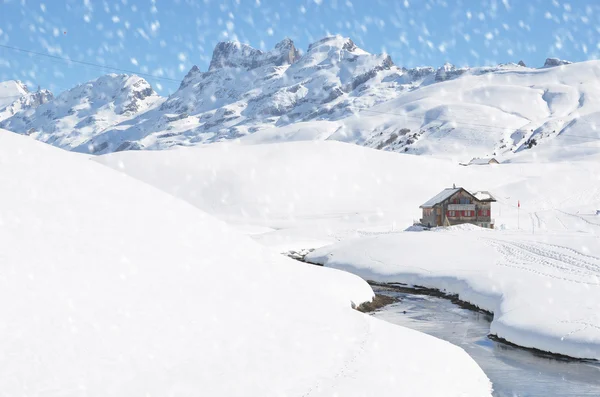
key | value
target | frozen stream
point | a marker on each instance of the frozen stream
(513, 371)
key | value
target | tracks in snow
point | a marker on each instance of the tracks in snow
(345, 370)
(549, 260)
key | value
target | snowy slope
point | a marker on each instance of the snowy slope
(496, 113)
(111, 287)
(15, 98)
(79, 114)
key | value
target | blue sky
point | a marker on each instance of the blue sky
(166, 38)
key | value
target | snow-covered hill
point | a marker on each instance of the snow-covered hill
(79, 114)
(333, 91)
(111, 287)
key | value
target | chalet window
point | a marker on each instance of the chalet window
(438, 211)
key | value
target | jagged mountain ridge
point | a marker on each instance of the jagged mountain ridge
(283, 94)
(239, 96)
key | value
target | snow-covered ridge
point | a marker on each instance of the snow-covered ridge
(77, 115)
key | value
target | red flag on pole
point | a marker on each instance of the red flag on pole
(519, 203)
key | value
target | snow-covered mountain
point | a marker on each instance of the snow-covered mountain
(77, 115)
(246, 90)
(334, 90)
(16, 98)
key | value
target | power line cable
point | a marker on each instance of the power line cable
(148, 75)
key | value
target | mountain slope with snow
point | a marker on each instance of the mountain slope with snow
(16, 98)
(79, 114)
(111, 287)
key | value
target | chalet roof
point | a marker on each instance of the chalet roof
(438, 198)
(482, 161)
(481, 195)
(484, 196)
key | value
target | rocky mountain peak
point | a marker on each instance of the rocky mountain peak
(233, 54)
(288, 51)
(552, 62)
(194, 71)
(448, 71)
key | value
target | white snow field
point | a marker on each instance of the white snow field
(110, 287)
(299, 195)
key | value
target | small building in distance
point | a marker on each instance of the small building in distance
(483, 161)
(457, 206)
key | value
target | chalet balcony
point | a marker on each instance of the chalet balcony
(461, 207)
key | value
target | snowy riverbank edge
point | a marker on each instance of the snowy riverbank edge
(360, 257)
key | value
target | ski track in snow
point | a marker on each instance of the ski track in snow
(580, 217)
(575, 267)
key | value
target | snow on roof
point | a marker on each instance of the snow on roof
(484, 196)
(482, 161)
(438, 198)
